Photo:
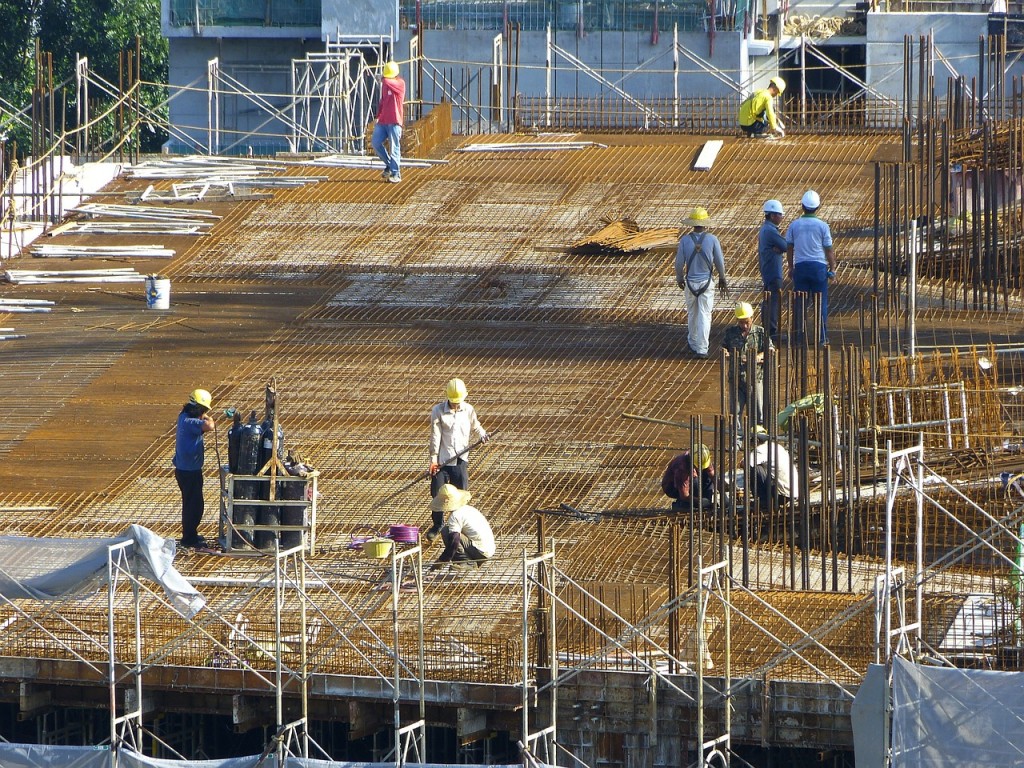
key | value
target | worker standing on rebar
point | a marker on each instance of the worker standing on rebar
(812, 264)
(677, 482)
(194, 421)
(743, 339)
(390, 116)
(698, 256)
(757, 112)
(467, 535)
(771, 248)
(452, 422)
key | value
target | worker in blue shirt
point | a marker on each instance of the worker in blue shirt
(194, 421)
(811, 262)
(771, 247)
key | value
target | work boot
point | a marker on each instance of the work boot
(437, 518)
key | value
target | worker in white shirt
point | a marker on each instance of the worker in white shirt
(452, 423)
(467, 535)
(781, 484)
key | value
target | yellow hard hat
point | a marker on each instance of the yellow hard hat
(779, 83)
(744, 310)
(391, 70)
(201, 398)
(705, 457)
(698, 218)
(456, 391)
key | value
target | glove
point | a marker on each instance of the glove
(830, 274)
(485, 438)
(723, 286)
(781, 131)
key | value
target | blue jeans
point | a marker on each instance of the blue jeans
(810, 277)
(391, 155)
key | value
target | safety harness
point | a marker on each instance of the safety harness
(698, 250)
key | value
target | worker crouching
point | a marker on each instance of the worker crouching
(467, 535)
(678, 481)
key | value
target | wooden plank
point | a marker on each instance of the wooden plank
(707, 155)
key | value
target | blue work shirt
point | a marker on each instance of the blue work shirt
(189, 447)
(771, 249)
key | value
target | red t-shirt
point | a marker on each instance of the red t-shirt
(392, 98)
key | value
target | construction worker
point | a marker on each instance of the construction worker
(757, 112)
(742, 338)
(771, 248)
(452, 421)
(194, 421)
(779, 484)
(677, 482)
(774, 481)
(467, 535)
(699, 254)
(390, 116)
(812, 264)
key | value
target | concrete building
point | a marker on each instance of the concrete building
(249, 75)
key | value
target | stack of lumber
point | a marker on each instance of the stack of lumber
(41, 277)
(102, 251)
(624, 236)
(24, 307)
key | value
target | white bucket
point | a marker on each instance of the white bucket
(158, 292)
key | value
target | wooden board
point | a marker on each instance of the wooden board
(707, 155)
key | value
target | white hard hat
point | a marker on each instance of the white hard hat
(810, 200)
(773, 206)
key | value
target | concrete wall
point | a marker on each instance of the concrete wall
(627, 58)
(360, 17)
(262, 68)
(956, 39)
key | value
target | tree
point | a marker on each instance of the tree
(97, 29)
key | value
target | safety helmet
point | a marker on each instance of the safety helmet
(456, 391)
(705, 457)
(779, 83)
(201, 398)
(773, 206)
(698, 218)
(810, 201)
(390, 69)
(744, 310)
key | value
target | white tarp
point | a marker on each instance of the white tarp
(963, 718)
(58, 569)
(38, 756)
(42, 756)
(134, 760)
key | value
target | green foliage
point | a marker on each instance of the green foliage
(99, 30)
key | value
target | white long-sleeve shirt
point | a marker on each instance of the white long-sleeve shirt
(450, 431)
(470, 522)
(783, 467)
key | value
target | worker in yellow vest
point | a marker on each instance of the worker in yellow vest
(757, 116)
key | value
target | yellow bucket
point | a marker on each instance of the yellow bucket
(378, 548)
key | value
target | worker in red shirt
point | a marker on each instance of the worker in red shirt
(389, 123)
(682, 480)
